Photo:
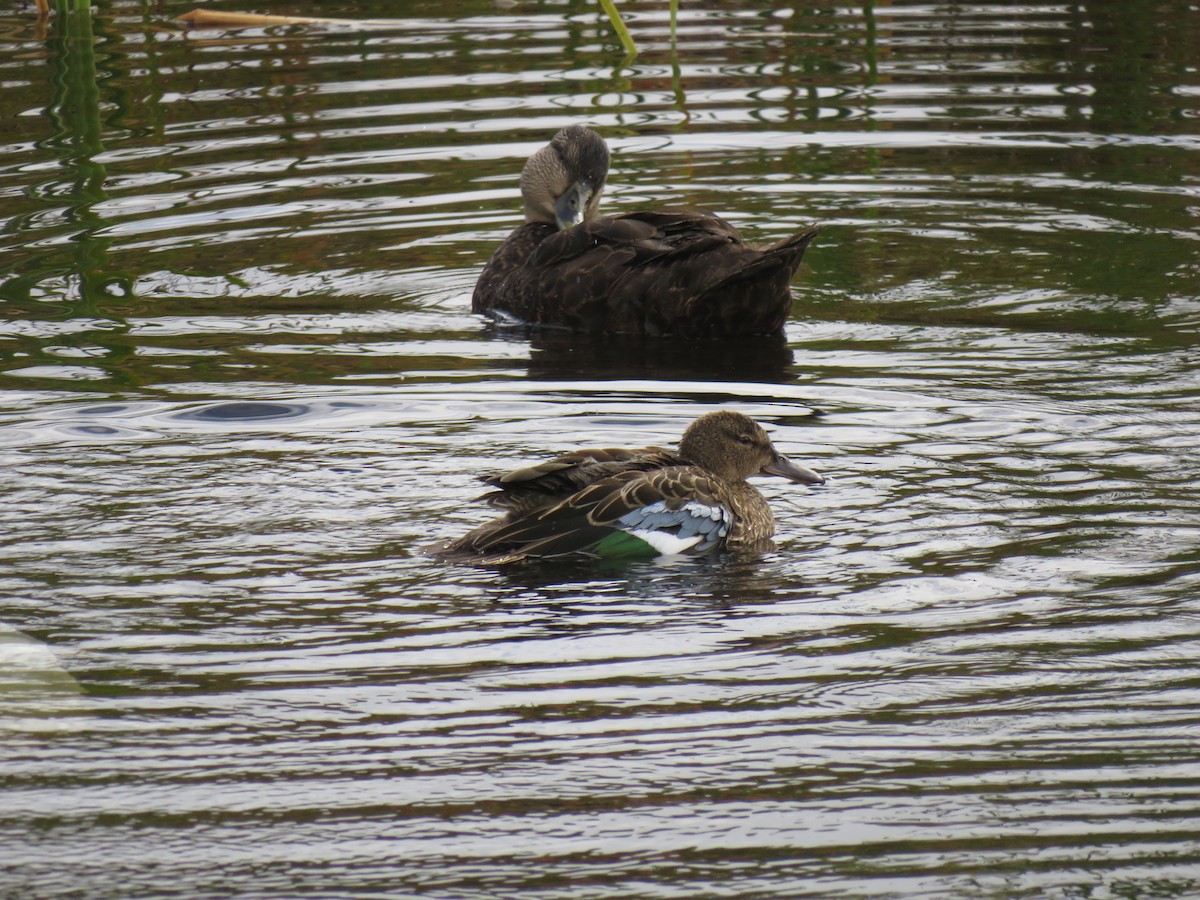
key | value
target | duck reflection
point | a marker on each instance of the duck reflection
(560, 355)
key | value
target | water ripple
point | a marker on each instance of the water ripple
(240, 389)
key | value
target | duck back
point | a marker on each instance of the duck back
(671, 272)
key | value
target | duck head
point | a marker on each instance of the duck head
(561, 183)
(734, 447)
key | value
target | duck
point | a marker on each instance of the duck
(647, 502)
(678, 273)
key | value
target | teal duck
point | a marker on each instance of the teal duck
(645, 502)
(672, 272)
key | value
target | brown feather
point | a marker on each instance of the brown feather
(548, 482)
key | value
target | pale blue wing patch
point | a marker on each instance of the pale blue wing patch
(693, 527)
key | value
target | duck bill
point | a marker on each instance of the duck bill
(571, 207)
(785, 468)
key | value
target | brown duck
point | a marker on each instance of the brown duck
(648, 502)
(673, 272)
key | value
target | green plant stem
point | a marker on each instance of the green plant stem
(610, 9)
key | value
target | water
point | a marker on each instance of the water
(241, 388)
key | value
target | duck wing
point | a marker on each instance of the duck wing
(677, 510)
(630, 274)
(635, 239)
(542, 484)
(545, 276)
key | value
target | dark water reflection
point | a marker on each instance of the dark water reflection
(556, 355)
(240, 389)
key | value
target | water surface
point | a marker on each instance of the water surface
(241, 388)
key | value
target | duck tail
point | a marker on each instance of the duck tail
(791, 249)
(784, 256)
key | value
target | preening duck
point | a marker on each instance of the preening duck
(645, 502)
(672, 272)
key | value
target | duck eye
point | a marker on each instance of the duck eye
(746, 439)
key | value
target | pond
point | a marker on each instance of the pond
(241, 390)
